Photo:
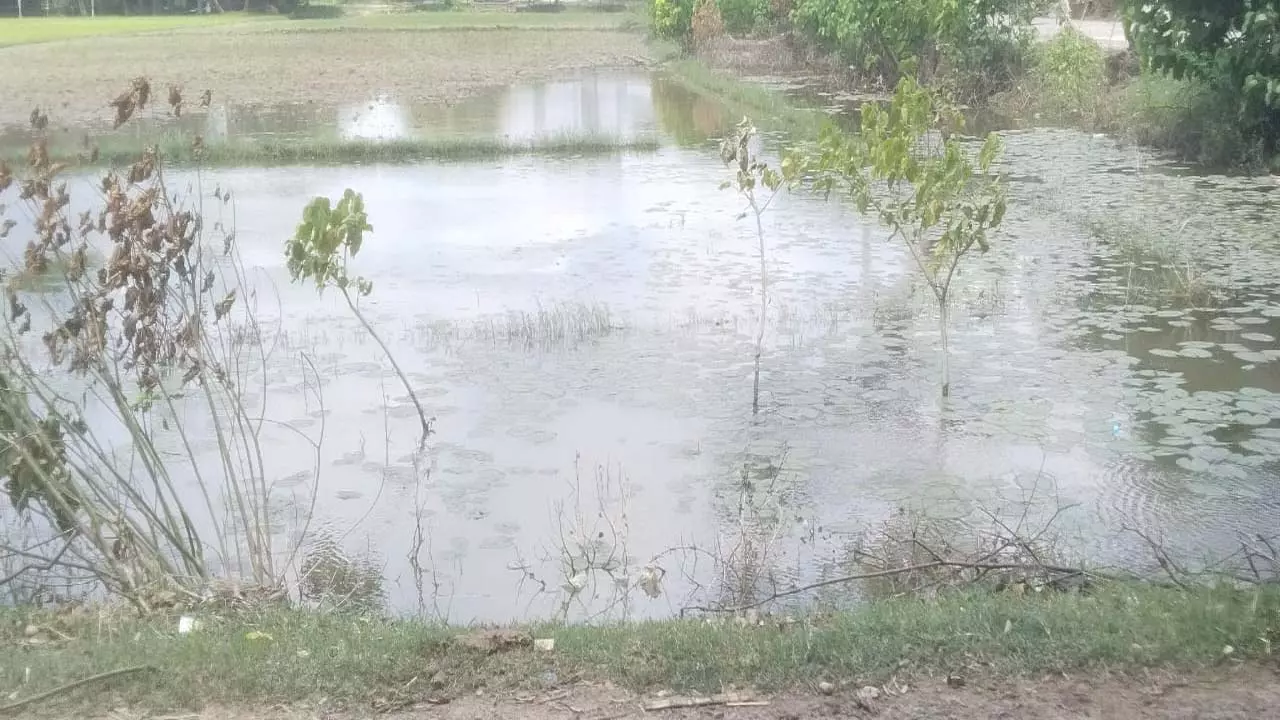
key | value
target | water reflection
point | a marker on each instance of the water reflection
(601, 309)
(380, 119)
(625, 105)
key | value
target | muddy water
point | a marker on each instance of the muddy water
(582, 332)
(622, 104)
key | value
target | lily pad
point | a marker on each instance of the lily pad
(1195, 465)
(1258, 337)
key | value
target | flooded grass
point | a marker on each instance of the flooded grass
(318, 151)
(770, 109)
(287, 656)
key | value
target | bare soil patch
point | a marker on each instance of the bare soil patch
(1247, 691)
(73, 81)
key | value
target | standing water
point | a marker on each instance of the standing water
(582, 330)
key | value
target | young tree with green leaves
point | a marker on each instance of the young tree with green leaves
(326, 239)
(750, 175)
(937, 199)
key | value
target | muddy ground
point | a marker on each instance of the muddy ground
(73, 81)
(1246, 691)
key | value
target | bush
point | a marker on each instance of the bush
(893, 38)
(743, 16)
(1229, 45)
(1068, 74)
(1191, 118)
(707, 23)
(671, 18)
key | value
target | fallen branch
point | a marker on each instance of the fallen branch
(679, 702)
(15, 706)
(958, 564)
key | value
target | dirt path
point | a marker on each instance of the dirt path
(1243, 692)
(1109, 34)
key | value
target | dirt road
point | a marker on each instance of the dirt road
(1231, 693)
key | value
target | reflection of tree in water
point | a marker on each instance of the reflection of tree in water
(688, 117)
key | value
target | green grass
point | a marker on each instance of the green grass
(350, 660)
(22, 31)
(324, 151)
(769, 109)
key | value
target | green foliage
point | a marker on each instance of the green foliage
(1068, 75)
(935, 198)
(898, 37)
(1232, 45)
(1191, 118)
(325, 239)
(750, 171)
(328, 236)
(742, 16)
(671, 18)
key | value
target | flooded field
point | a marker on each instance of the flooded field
(582, 330)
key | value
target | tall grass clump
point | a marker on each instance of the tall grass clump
(126, 446)
(1188, 117)
(1068, 76)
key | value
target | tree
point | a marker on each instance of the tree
(750, 174)
(328, 236)
(936, 199)
(1232, 45)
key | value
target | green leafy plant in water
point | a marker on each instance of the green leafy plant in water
(936, 199)
(1070, 75)
(752, 174)
(326, 239)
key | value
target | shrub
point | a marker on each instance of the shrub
(671, 18)
(707, 23)
(743, 16)
(1230, 45)
(897, 37)
(1189, 117)
(1069, 75)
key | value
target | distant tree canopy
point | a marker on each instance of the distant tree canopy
(1232, 45)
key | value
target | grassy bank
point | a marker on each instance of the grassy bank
(285, 656)
(1071, 82)
(24, 31)
(770, 109)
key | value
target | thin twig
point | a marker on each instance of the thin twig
(900, 571)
